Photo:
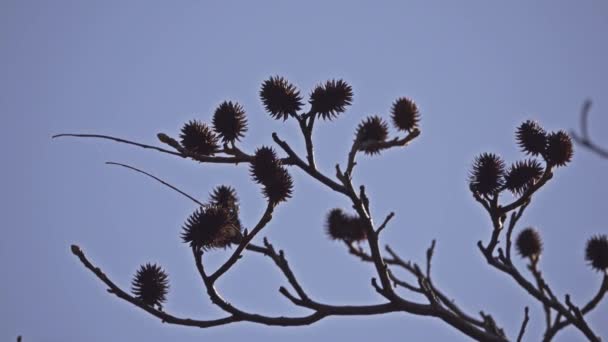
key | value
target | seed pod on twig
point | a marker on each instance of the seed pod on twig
(330, 99)
(150, 284)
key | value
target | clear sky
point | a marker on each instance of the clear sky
(477, 69)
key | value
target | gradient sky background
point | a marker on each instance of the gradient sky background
(477, 69)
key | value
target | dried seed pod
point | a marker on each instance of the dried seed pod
(529, 244)
(229, 121)
(531, 137)
(404, 114)
(330, 99)
(559, 149)
(370, 131)
(197, 137)
(264, 165)
(150, 285)
(341, 226)
(279, 187)
(522, 175)
(210, 227)
(225, 197)
(487, 175)
(280, 98)
(596, 253)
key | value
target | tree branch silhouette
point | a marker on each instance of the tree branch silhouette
(216, 223)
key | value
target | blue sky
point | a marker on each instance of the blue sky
(132, 69)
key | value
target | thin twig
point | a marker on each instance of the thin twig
(159, 180)
(522, 330)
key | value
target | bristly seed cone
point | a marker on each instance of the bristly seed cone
(150, 285)
(264, 165)
(341, 226)
(280, 98)
(279, 187)
(330, 99)
(596, 252)
(487, 175)
(225, 196)
(210, 227)
(229, 121)
(522, 175)
(559, 150)
(197, 137)
(529, 244)
(404, 114)
(370, 131)
(531, 137)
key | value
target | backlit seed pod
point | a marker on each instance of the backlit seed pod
(330, 99)
(229, 121)
(559, 149)
(210, 227)
(341, 226)
(404, 114)
(225, 197)
(370, 131)
(280, 98)
(529, 244)
(150, 285)
(279, 187)
(596, 253)
(487, 174)
(264, 165)
(197, 137)
(522, 175)
(531, 137)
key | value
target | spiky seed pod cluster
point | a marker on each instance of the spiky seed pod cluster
(210, 227)
(532, 138)
(404, 114)
(370, 131)
(197, 137)
(150, 284)
(487, 175)
(529, 244)
(559, 149)
(229, 121)
(522, 175)
(225, 197)
(345, 227)
(280, 98)
(330, 99)
(266, 169)
(556, 147)
(596, 253)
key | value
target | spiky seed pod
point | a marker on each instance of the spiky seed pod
(210, 227)
(280, 98)
(405, 115)
(330, 99)
(229, 121)
(559, 149)
(522, 175)
(225, 197)
(197, 137)
(370, 131)
(529, 244)
(279, 187)
(341, 226)
(150, 285)
(531, 137)
(487, 174)
(596, 252)
(264, 165)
